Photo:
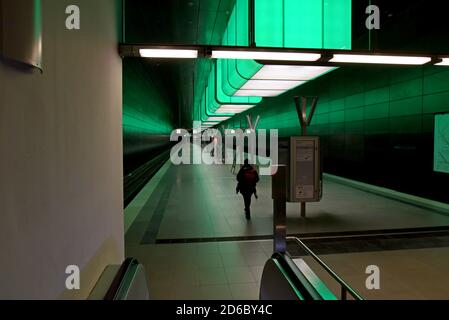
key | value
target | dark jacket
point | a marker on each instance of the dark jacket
(244, 186)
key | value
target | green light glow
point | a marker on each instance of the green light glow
(303, 27)
(269, 23)
(319, 24)
(232, 75)
(337, 23)
(145, 110)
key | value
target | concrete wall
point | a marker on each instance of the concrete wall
(61, 157)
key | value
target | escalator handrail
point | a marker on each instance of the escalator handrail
(295, 277)
(345, 287)
(287, 277)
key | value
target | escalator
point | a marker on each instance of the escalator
(287, 278)
(122, 282)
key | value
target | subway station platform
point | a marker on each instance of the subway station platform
(188, 228)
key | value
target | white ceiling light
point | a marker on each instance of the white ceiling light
(380, 59)
(238, 106)
(229, 111)
(285, 72)
(217, 119)
(445, 62)
(169, 53)
(258, 93)
(232, 108)
(265, 55)
(274, 80)
(271, 85)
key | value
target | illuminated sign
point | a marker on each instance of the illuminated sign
(441, 143)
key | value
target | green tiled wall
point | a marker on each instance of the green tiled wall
(374, 121)
(398, 94)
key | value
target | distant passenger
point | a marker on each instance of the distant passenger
(247, 180)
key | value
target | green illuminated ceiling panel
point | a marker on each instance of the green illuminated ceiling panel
(300, 26)
(318, 24)
(233, 74)
(216, 103)
(269, 23)
(235, 85)
(218, 96)
(337, 23)
(145, 109)
(236, 33)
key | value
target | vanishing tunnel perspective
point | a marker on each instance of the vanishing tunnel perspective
(224, 150)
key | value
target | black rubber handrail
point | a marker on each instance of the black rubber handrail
(297, 278)
(117, 283)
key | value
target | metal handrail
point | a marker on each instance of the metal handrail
(345, 288)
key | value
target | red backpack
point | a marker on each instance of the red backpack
(249, 177)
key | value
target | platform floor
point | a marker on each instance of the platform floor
(191, 234)
(419, 274)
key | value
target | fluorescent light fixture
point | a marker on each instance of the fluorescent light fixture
(238, 106)
(380, 59)
(169, 53)
(291, 73)
(233, 109)
(445, 62)
(265, 55)
(219, 119)
(271, 85)
(258, 93)
(274, 80)
(227, 111)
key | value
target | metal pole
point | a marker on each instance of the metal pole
(279, 225)
(343, 293)
(303, 133)
(303, 209)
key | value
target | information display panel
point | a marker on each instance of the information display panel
(305, 169)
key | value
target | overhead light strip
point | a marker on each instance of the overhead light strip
(233, 109)
(290, 73)
(218, 119)
(380, 59)
(258, 93)
(251, 54)
(444, 62)
(265, 55)
(274, 80)
(271, 84)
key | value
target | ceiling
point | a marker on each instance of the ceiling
(188, 22)
(415, 25)
(195, 22)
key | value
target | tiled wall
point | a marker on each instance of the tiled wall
(148, 114)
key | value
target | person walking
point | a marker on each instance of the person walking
(247, 179)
